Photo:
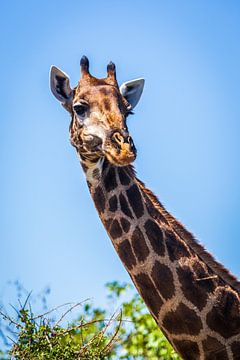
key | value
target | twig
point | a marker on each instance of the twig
(82, 350)
(12, 340)
(25, 303)
(13, 307)
(6, 317)
(105, 328)
(109, 344)
(49, 311)
(69, 310)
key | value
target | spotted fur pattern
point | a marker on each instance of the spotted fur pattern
(194, 300)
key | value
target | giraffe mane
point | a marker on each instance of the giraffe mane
(160, 212)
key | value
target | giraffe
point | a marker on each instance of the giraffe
(194, 300)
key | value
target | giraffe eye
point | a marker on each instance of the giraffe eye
(80, 109)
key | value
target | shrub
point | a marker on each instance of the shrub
(129, 334)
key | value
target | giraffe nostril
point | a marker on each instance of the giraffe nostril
(120, 139)
(117, 137)
(129, 140)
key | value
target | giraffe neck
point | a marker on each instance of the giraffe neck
(193, 299)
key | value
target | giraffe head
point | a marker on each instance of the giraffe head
(99, 108)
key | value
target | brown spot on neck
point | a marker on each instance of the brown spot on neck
(224, 318)
(149, 293)
(113, 203)
(125, 224)
(163, 280)
(126, 254)
(110, 181)
(183, 320)
(155, 236)
(113, 228)
(99, 199)
(124, 206)
(135, 200)
(193, 290)
(123, 176)
(213, 349)
(189, 350)
(139, 245)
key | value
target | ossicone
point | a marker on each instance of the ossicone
(111, 70)
(84, 63)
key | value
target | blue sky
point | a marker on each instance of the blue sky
(186, 128)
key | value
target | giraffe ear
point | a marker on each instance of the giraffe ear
(60, 85)
(132, 91)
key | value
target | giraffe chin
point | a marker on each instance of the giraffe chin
(120, 159)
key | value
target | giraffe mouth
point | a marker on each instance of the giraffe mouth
(120, 160)
(120, 157)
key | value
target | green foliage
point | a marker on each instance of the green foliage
(139, 337)
(131, 334)
(41, 338)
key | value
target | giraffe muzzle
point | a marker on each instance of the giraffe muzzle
(120, 149)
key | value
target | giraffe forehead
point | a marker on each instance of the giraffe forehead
(96, 93)
(105, 102)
